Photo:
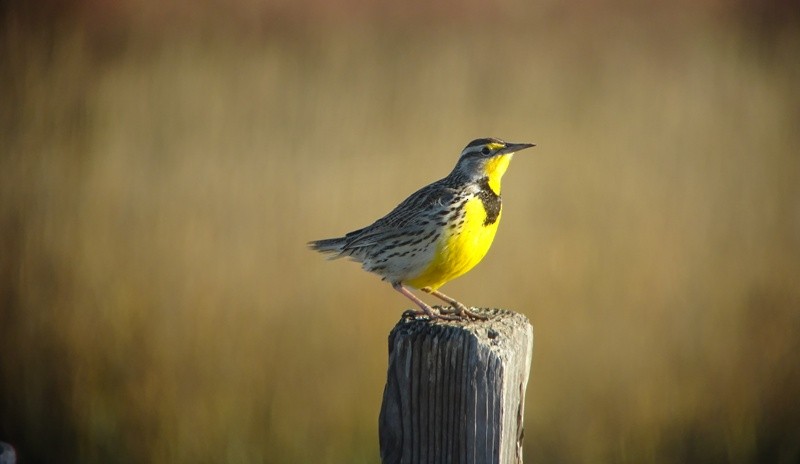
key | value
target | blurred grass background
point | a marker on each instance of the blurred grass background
(163, 165)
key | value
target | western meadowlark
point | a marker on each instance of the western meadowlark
(438, 233)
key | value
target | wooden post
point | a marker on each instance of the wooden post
(455, 391)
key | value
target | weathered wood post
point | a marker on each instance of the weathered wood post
(455, 390)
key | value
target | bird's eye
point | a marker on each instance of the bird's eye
(485, 150)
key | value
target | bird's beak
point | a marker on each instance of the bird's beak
(514, 147)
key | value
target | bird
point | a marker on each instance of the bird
(438, 233)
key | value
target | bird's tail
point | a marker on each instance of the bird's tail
(333, 247)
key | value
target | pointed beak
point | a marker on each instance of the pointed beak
(515, 147)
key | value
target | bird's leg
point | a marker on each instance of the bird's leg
(460, 309)
(425, 308)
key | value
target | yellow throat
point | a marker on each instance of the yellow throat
(495, 168)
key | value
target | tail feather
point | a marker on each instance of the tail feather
(329, 246)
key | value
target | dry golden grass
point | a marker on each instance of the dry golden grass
(159, 304)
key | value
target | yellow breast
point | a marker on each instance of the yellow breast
(460, 249)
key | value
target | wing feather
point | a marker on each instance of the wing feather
(408, 217)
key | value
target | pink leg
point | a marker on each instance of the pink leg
(425, 308)
(461, 309)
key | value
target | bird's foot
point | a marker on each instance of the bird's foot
(457, 309)
(463, 313)
(466, 313)
(412, 313)
(430, 314)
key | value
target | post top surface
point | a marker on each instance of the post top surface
(501, 326)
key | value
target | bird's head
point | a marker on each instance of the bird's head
(488, 158)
